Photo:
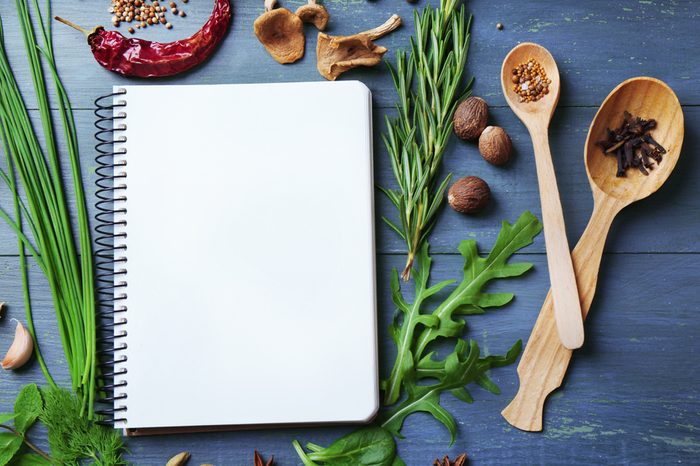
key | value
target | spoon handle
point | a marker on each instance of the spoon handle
(545, 360)
(567, 311)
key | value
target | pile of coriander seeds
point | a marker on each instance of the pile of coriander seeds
(144, 13)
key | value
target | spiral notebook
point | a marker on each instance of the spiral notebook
(238, 255)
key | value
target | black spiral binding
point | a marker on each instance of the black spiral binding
(109, 255)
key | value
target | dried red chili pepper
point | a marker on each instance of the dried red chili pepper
(146, 59)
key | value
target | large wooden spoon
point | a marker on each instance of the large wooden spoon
(536, 116)
(545, 360)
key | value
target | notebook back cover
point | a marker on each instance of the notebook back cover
(250, 246)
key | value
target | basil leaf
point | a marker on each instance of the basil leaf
(4, 417)
(28, 407)
(9, 445)
(369, 446)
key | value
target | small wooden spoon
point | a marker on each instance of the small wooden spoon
(536, 116)
(545, 360)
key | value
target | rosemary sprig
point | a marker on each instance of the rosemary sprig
(429, 84)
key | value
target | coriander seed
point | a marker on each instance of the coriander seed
(530, 81)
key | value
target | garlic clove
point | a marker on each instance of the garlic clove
(21, 349)
(179, 459)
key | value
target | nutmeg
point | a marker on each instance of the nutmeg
(495, 145)
(471, 117)
(469, 195)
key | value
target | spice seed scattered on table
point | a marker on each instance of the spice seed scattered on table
(143, 13)
(530, 81)
(149, 59)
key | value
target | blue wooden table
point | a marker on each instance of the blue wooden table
(631, 395)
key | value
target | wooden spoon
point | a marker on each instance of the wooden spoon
(536, 116)
(545, 360)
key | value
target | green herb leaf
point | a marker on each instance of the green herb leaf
(369, 446)
(428, 81)
(29, 459)
(9, 445)
(28, 407)
(462, 367)
(419, 327)
(73, 437)
(5, 417)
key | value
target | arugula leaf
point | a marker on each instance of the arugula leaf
(9, 445)
(467, 298)
(28, 407)
(4, 417)
(369, 446)
(403, 334)
(463, 366)
(29, 459)
(415, 326)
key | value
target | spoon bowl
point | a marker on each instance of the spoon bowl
(543, 109)
(647, 98)
(544, 362)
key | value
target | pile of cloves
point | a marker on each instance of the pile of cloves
(632, 145)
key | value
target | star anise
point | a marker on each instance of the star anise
(461, 460)
(259, 460)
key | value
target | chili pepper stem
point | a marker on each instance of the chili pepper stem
(74, 26)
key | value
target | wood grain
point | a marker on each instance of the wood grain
(545, 360)
(536, 117)
(639, 360)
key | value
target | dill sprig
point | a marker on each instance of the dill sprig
(429, 84)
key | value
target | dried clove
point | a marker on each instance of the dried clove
(632, 145)
(461, 460)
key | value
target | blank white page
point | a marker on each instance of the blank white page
(250, 246)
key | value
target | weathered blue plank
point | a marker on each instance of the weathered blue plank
(514, 189)
(597, 44)
(630, 398)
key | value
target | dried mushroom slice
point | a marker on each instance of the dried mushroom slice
(281, 32)
(314, 13)
(338, 54)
